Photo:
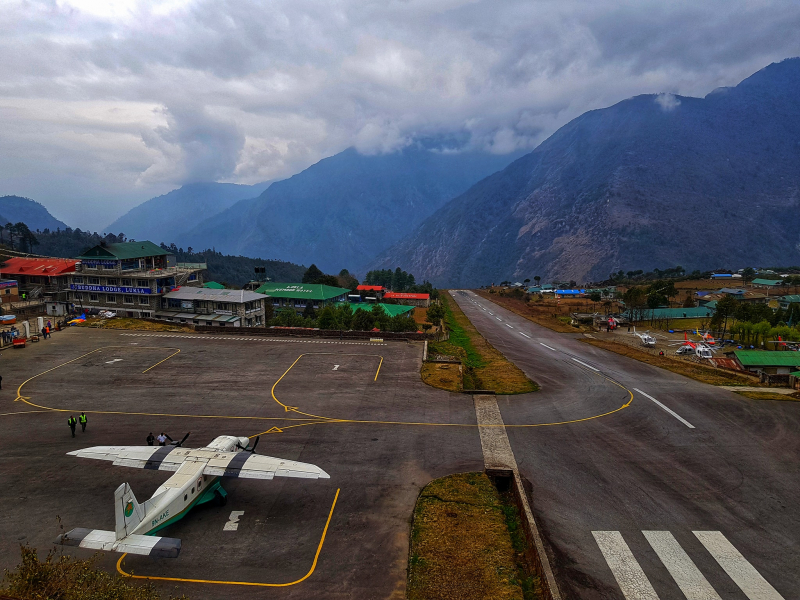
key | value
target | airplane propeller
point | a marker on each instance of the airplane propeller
(179, 444)
(250, 449)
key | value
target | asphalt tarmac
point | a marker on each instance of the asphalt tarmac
(609, 465)
(354, 410)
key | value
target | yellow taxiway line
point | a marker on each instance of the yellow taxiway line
(307, 418)
(250, 583)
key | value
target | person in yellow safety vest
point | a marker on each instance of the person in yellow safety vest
(72, 422)
(82, 418)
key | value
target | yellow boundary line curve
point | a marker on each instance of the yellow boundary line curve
(250, 583)
(307, 418)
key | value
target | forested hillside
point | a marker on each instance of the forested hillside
(70, 243)
(342, 211)
(651, 182)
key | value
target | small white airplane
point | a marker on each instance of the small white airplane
(195, 482)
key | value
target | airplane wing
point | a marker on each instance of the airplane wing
(256, 466)
(159, 458)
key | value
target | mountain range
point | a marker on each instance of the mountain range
(15, 209)
(165, 218)
(651, 182)
(342, 211)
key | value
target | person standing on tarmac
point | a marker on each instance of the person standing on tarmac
(82, 418)
(150, 439)
(162, 439)
(72, 422)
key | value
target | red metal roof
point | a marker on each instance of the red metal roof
(38, 266)
(370, 288)
(406, 296)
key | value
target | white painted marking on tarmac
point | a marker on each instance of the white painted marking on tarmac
(498, 318)
(626, 570)
(491, 313)
(585, 365)
(111, 362)
(737, 566)
(548, 347)
(669, 410)
(507, 325)
(335, 367)
(233, 521)
(683, 570)
(525, 334)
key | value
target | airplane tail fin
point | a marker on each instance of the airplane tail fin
(97, 539)
(128, 512)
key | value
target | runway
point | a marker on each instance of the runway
(689, 492)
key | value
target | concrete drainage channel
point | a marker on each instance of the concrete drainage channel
(501, 466)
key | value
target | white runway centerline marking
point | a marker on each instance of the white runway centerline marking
(111, 362)
(498, 318)
(683, 570)
(669, 410)
(507, 325)
(525, 334)
(548, 347)
(737, 566)
(626, 570)
(233, 521)
(585, 365)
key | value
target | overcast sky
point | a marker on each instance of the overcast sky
(106, 103)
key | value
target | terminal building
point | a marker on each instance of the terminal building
(213, 306)
(298, 295)
(128, 278)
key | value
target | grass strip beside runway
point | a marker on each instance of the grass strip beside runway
(484, 368)
(466, 542)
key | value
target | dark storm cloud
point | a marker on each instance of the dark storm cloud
(122, 94)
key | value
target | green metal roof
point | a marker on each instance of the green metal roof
(796, 373)
(124, 251)
(677, 313)
(213, 285)
(790, 298)
(391, 309)
(766, 281)
(308, 291)
(767, 358)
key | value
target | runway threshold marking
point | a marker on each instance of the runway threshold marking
(737, 566)
(666, 408)
(630, 577)
(248, 583)
(682, 568)
(635, 585)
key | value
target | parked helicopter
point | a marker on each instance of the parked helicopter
(701, 349)
(647, 340)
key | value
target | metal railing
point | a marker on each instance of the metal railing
(141, 272)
